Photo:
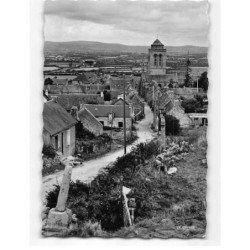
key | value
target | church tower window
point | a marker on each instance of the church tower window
(155, 59)
(160, 60)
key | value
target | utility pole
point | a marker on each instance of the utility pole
(124, 115)
(154, 118)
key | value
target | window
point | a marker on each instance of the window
(68, 137)
(155, 59)
(120, 124)
(160, 60)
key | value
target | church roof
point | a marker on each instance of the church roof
(157, 42)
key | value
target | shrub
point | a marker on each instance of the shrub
(190, 105)
(172, 125)
(49, 151)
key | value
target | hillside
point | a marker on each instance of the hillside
(89, 46)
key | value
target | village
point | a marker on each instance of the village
(117, 128)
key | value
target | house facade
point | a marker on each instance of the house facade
(111, 115)
(59, 128)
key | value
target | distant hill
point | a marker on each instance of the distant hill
(89, 46)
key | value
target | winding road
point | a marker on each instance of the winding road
(89, 169)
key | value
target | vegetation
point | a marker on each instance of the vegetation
(82, 133)
(194, 105)
(188, 82)
(166, 206)
(190, 105)
(100, 202)
(48, 151)
(203, 82)
(172, 125)
(48, 81)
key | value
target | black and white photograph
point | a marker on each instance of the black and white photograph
(125, 119)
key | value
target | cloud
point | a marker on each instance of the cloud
(185, 20)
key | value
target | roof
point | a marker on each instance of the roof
(59, 81)
(157, 43)
(105, 110)
(81, 78)
(88, 119)
(67, 101)
(118, 83)
(168, 106)
(56, 119)
(119, 101)
(62, 89)
(137, 100)
(163, 100)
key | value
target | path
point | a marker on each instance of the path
(89, 169)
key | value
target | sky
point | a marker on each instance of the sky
(127, 22)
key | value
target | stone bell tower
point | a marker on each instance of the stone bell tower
(157, 56)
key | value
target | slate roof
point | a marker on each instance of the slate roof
(120, 101)
(169, 106)
(87, 118)
(62, 89)
(67, 101)
(56, 119)
(59, 81)
(105, 110)
(157, 42)
(163, 100)
(81, 78)
(117, 84)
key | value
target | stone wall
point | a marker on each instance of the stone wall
(68, 146)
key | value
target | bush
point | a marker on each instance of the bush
(190, 105)
(49, 151)
(172, 125)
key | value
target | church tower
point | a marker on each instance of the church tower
(157, 56)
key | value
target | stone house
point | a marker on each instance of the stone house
(175, 109)
(128, 102)
(58, 128)
(89, 122)
(138, 106)
(104, 114)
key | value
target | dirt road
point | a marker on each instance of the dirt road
(89, 169)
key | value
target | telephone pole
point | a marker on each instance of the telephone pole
(124, 115)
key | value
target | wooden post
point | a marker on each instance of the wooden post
(124, 116)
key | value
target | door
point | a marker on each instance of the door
(62, 142)
(56, 142)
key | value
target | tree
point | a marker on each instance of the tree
(190, 105)
(48, 81)
(188, 79)
(203, 81)
(171, 83)
(172, 125)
